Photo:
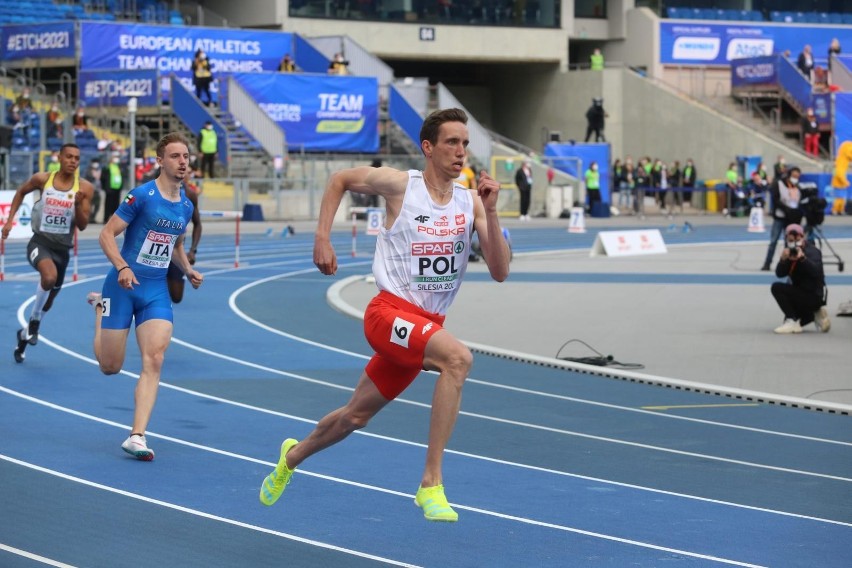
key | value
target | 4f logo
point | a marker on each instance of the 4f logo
(421, 218)
(400, 332)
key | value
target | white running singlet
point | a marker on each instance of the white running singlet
(53, 213)
(422, 258)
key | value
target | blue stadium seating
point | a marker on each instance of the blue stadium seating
(34, 11)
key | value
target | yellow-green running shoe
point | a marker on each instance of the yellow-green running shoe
(434, 504)
(275, 483)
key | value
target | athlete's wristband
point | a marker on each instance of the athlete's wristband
(120, 269)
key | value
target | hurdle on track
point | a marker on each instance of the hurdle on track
(236, 215)
(375, 217)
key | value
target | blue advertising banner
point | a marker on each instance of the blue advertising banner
(842, 119)
(319, 112)
(115, 87)
(696, 43)
(171, 49)
(37, 41)
(755, 72)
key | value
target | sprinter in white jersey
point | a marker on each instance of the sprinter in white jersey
(153, 218)
(63, 207)
(420, 260)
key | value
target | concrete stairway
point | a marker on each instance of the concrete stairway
(247, 159)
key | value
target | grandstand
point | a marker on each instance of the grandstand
(506, 63)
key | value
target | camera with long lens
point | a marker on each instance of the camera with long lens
(811, 204)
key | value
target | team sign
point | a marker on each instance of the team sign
(319, 112)
(170, 49)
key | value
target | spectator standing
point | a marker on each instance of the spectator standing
(596, 60)
(628, 185)
(80, 122)
(810, 132)
(112, 182)
(593, 185)
(524, 181)
(731, 185)
(287, 65)
(676, 181)
(24, 102)
(689, 178)
(595, 120)
(779, 169)
(785, 210)
(202, 76)
(618, 180)
(53, 165)
(208, 143)
(93, 176)
(338, 65)
(642, 176)
(805, 63)
(54, 122)
(833, 49)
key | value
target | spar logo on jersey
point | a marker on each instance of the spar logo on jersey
(432, 248)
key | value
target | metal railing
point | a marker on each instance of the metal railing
(256, 122)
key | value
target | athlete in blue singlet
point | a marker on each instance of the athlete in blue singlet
(153, 218)
(63, 207)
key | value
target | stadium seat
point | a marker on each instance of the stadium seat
(673, 12)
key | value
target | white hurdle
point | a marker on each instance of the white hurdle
(236, 215)
(375, 218)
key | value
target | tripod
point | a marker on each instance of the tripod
(815, 234)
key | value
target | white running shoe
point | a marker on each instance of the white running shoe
(136, 446)
(821, 320)
(94, 298)
(789, 326)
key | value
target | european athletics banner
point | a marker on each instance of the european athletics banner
(690, 42)
(170, 49)
(326, 113)
(37, 41)
(115, 87)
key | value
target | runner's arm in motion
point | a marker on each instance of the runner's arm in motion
(389, 183)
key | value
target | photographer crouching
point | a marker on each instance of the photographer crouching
(803, 296)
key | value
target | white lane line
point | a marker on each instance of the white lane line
(358, 313)
(397, 441)
(32, 556)
(462, 413)
(202, 514)
(407, 496)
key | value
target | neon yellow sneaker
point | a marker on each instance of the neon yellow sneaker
(434, 504)
(275, 483)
